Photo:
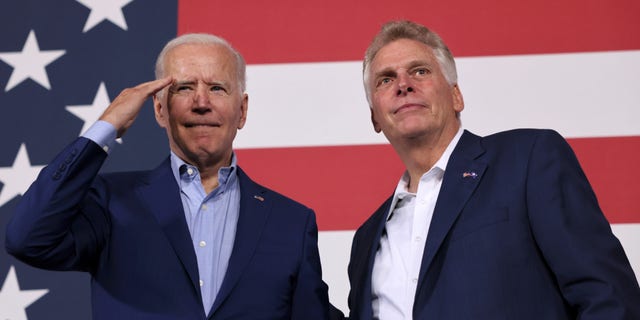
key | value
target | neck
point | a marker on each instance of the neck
(209, 178)
(420, 155)
(208, 168)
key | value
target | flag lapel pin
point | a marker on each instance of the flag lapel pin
(470, 174)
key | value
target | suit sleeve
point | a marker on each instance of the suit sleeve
(310, 298)
(58, 224)
(576, 240)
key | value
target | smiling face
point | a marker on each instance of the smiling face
(204, 107)
(410, 97)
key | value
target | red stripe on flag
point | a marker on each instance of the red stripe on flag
(338, 30)
(345, 184)
(612, 167)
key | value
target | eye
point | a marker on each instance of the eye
(180, 89)
(218, 89)
(421, 71)
(383, 81)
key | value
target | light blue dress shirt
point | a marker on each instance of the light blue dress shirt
(212, 218)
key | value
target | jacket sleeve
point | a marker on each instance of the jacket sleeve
(59, 224)
(587, 260)
(310, 298)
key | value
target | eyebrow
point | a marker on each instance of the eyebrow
(182, 83)
(389, 71)
(191, 82)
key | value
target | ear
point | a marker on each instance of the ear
(376, 126)
(244, 107)
(458, 101)
(159, 109)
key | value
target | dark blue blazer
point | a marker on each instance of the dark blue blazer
(128, 230)
(519, 236)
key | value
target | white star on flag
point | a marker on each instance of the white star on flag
(30, 63)
(14, 301)
(18, 177)
(105, 10)
(91, 113)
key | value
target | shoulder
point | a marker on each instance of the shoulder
(522, 135)
(124, 176)
(250, 188)
(139, 177)
(520, 141)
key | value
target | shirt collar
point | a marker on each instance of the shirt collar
(225, 174)
(401, 189)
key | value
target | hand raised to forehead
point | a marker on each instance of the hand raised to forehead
(124, 109)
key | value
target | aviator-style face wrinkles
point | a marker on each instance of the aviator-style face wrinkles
(410, 97)
(203, 108)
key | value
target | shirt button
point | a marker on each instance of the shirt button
(414, 280)
(203, 207)
(189, 171)
(105, 148)
(417, 239)
(201, 283)
(202, 243)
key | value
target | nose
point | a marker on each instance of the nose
(404, 85)
(201, 96)
(403, 91)
(201, 99)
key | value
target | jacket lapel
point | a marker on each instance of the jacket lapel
(255, 207)
(363, 261)
(162, 196)
(462, 176)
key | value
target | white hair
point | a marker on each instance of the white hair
(206, 39)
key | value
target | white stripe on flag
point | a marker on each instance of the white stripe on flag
(323, 104)
(629, 236)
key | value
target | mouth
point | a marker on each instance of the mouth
(201, 124)
(408, 107)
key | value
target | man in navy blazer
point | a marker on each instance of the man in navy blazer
(194, 238)
(498, 227)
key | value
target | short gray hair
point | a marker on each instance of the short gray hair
(396, 30)
(206, 39)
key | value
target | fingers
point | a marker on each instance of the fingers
(152, 87)
(124, 109)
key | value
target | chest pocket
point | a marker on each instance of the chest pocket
(477, 220)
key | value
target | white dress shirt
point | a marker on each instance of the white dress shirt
(397, 262)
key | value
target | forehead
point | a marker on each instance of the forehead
(193, 60)
(400, 53)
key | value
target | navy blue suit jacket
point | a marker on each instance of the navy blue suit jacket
(522, 239)
(128, 230)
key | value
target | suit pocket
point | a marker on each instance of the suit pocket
(470, 222)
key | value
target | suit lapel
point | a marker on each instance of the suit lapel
(162, 196)
(462, 176)
(365, 257)
(255, 207)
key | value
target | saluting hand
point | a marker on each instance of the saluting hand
(124, 109)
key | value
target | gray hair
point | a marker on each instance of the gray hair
(206, 39)
(396, 30)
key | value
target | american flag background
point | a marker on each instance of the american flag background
(568, 65)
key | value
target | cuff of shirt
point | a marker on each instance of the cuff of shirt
(103, 133)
